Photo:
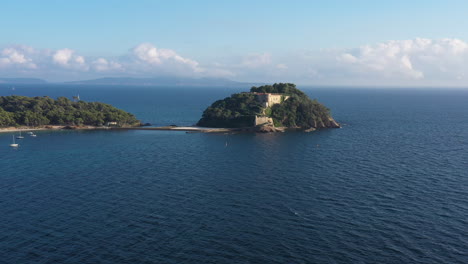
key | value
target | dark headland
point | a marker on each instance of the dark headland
(269, 108)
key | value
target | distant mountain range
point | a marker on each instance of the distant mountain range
(22, 80)
(161, 81)
(157, 81)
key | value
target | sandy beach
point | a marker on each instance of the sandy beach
(16, 129)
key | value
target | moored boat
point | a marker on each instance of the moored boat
(14, 145)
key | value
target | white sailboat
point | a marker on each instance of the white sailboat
(14, 145)
(20, 136)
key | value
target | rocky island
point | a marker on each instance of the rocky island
(44, 111)
(269, 108)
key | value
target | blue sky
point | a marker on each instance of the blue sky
(240, 40)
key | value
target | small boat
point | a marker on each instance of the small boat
(33, 135)
(14, 145)
(20, 136)
(30, 133)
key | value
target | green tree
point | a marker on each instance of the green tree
(39, 111)
(6, 118)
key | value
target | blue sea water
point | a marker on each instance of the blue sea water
(391, 186)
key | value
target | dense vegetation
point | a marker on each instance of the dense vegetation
(284, 88)
(39, 111)
(300, 112)
(239, 110)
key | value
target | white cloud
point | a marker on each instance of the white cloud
(62, 56)
(281, 66)
(103, 65)
(398, 62)
(346, 57)
(418, 61)
(149, 55)
(144, 60)
(66, 58)
(80, 60)
(17, 57)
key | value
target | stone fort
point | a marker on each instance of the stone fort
(268, 100)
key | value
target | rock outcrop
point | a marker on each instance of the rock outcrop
(269, 129)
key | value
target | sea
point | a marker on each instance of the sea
(390, 186)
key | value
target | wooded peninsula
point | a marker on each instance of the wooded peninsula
(41, 111)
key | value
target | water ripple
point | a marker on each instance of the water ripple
(391, 192)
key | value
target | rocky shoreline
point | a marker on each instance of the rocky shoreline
(189, 129)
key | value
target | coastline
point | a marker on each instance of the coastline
(187, 129)
(47, 128)
(162, 128)
(26, 129)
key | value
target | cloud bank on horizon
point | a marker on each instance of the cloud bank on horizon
(417, 61)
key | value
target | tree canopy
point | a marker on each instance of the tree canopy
(300, 112)
(239, 110)
(283, 88)
(37, 111)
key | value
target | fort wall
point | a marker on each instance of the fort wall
(263, 120)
